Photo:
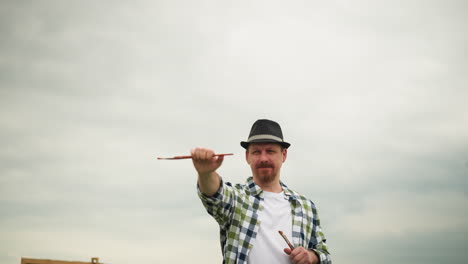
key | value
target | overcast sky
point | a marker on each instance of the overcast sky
(372, 95)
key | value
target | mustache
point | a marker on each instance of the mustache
(264, 165)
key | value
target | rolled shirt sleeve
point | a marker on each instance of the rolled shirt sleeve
(318, 244)
(219, 205)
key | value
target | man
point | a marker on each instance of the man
(250, 215)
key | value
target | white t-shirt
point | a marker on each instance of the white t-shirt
(268, 245)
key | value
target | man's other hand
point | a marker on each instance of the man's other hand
(301, 255)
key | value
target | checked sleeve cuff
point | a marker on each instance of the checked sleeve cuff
(323, 257)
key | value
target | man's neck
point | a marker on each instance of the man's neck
(273, 186)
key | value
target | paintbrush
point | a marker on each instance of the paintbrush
(189, 157)
(286, 239)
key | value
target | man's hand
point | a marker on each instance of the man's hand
(301, 255)
(206, 165)
(205, 162)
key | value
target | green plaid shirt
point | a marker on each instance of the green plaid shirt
(235, 208)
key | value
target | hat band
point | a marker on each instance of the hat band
(265, 136)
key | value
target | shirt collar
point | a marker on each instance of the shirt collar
(252, 187)
(288, 193)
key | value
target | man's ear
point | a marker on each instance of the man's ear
(285, 154)
(247, 156)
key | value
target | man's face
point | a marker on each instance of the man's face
(265, 160)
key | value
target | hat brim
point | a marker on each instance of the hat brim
(245, 144)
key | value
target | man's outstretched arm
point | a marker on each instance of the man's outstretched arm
(206, 164)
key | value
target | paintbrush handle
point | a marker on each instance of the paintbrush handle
(286, 239)
(189, 157)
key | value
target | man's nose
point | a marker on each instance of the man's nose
(263, 156)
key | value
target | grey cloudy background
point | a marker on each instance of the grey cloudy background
(371, 94)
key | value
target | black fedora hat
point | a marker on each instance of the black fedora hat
(265, 131)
